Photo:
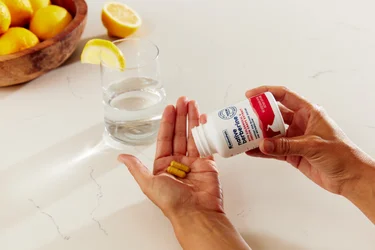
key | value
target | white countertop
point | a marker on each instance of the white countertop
(54, 166)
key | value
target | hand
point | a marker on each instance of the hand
(194, 205)
(200, 190)
(314, 144)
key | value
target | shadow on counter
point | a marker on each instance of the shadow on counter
(56, 172)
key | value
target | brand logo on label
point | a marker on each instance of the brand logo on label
(227, 139)
(227, 113)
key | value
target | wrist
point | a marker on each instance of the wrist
(364, 182)
(207, 230)
(362, 190)
(182, 220)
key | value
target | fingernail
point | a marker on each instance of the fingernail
(268, 146)
(203, 119)
(182, 99)
(121, 158)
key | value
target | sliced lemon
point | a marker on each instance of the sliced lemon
(120, 20)
(97, 51)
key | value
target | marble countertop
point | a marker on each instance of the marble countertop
(62, 188)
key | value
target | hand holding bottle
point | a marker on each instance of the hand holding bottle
(316, 146)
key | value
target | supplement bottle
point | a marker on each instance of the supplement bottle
(239, 128)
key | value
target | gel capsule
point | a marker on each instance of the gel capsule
(176, 172)
(180, 166)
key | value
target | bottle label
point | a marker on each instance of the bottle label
(248, 122)
(266, 117)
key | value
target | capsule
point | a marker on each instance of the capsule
(176, 172)
(180, 166)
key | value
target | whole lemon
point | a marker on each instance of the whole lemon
(17, 39)
(38, 4)
(50, 21)
(4, 18)
(20, 11)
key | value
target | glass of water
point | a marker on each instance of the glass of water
(133, 99)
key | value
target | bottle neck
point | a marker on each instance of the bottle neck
(201, 141)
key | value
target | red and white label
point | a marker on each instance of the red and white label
(241, 127)
(267, 122)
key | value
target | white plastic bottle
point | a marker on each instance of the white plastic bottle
(239, 128)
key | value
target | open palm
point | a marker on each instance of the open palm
(200, 190)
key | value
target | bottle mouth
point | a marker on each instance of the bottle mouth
(201, 141)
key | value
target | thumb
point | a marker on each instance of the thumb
(283, 146)
(136, 168)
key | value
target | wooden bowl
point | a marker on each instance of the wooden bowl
(31, 63)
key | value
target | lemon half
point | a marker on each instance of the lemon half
(97, 51)
(120, 20)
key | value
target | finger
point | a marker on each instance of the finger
(211, 157)
(140, 173)
(289, 99)
(180, 137)
(306, 146)
(259, 154)
(294, 130)
(203, 119)
(164, 145)
(193, 116)
(287, 114)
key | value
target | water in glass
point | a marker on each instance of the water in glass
(133, 109)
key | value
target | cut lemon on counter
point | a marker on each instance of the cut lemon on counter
(97, 51)
(120, 20)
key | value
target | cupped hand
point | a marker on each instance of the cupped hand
(313, 143)
(200, 191)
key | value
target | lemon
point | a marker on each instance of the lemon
(38, 4)
(4, 18)
(50, 21)
(98, 51)
(17, 39)
(120, 20)
(20, 11)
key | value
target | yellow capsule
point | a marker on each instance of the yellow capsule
(180, 166)
(176, 172)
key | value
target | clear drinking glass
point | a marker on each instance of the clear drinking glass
(133, 99)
